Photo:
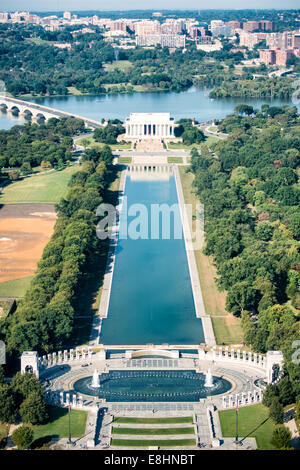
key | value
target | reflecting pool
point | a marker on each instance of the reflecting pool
(152, 386)
(151, 299)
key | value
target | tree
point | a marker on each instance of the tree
(264, 230)
(25, 385)
(33, 409)
(276, 411)
(286, 392)
(270, 393)
(23, 437)
(281, 437)
(241, 296)
(8, 410)
(244, 109)
(274, 316)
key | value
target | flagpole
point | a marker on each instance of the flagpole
(237, 422)
(69, 441)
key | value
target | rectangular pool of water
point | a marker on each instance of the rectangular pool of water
(151, 299)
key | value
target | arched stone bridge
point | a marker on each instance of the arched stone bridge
(39, 111)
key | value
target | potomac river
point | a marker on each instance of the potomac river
(186, 104)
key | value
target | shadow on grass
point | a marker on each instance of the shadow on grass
(255, 429)
(43, 442)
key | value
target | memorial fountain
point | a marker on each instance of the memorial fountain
(163, 385)
(95, 380)
(208, 379)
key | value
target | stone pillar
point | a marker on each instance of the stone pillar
(249, 397)
(83, 354)
(224, 403)
(61, 398)
(49, 360)
(232, 354)
(65, 355)
(238, 354)
(226, 353)
(250, 357)
(71, 354)
(220, 352)
(80, 401)
(54, 358)
(59, 357)
(44, 360)
(255, 358)
(90, 354)
(214, 352)
(74, 399)
(244, 355)
(77, 354)
(67, 399)
(230, 401)
(259, 359)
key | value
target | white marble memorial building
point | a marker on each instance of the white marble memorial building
(149, 126)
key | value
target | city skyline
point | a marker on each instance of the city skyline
(78, 5)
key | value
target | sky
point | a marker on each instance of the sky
(73, 5)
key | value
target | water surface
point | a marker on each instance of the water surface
(151, 297)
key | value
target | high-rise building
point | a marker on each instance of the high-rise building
(165, 40)
(267, 56)
(67, 15)
(145, 27)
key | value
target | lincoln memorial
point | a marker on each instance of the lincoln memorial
(149, 126)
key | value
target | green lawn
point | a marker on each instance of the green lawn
(46, 188)
(177, 419)
(15, 288)
(58, 425)
(253, 421)
(211, 140)
(154, 431)
(181, 145)
(174, 159)
(150, 443)
(123, 65)
(124, 160)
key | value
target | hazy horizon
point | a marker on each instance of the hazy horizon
(118, 5)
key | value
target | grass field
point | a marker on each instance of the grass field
(58, 425)
(227, 328)
(177, 419)
(44, 188)
(174, 159)
(150, 443)
(15, 288)
(253, 421)
(124, 160)
(153, 431)
(180, 145)
(123, 65)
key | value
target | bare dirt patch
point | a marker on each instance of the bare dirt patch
(24, 232)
